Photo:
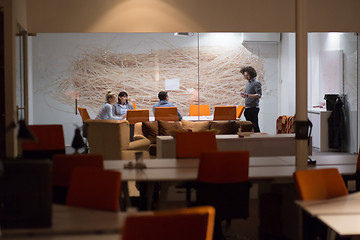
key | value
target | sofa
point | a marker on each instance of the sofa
(149, 130)
(111, 138)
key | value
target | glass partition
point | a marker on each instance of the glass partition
(194, 68)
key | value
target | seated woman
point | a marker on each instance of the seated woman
(120, 108)
(105, 111)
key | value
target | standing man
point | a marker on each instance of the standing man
(252, 96)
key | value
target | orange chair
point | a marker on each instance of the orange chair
(62, 167)
(140, 115)
(239, 111)
(166, 114)
(225, 113)
(134, 105)
(84, 114)
(195, 223)
(223, 182)
(192, 144)
(50, 140)
(199, 110)
(319, 184)
(94, 188)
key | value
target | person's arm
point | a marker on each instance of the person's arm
(110, 114)
(114, 110)
(255, 95)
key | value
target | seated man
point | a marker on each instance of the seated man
(163, 96)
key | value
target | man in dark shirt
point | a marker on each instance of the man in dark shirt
(252, 96)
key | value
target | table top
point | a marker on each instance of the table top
(73, 220)
(260, 168)
(254, 136)
(344, 224)
(253, 162)
(349, 204)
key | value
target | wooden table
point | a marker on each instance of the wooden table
(258, 145)
(75, 221)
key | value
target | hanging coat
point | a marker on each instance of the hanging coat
(336, 124)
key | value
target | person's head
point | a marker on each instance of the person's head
(248, 72)
(123, 98)
(110, 97)
(162, 95)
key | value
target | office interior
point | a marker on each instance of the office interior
(307, 34)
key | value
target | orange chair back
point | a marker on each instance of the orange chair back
(94, 188)
(239, 111)
(50, 140)
(84, 114)
(224, 167)
(166, 114)
(140, 115)
(192, 144)
(225, 113)
(199, 110)
(134, 105)
(195, 223)
(63, 165)
(319, 184)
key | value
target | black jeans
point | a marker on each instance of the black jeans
(251, 114)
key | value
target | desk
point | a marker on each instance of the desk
(262, 169)
(341, 214)
(165, 163)
(343, 224)
(258, 145)
(73, 220)
(349, 204)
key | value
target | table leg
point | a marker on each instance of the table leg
(164, 189)
(125, 196)
(150, 187)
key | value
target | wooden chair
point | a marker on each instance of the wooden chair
(192, 144)
(225, 113)
(239, 111)
(166, 114)
(194, 223)
(62, 167)
(94, 188)
(140, 115)
(199, 110)
(50, 140)
(317, 184)
(223, 183)
(84, 114)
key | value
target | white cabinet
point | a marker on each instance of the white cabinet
(319, 119)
